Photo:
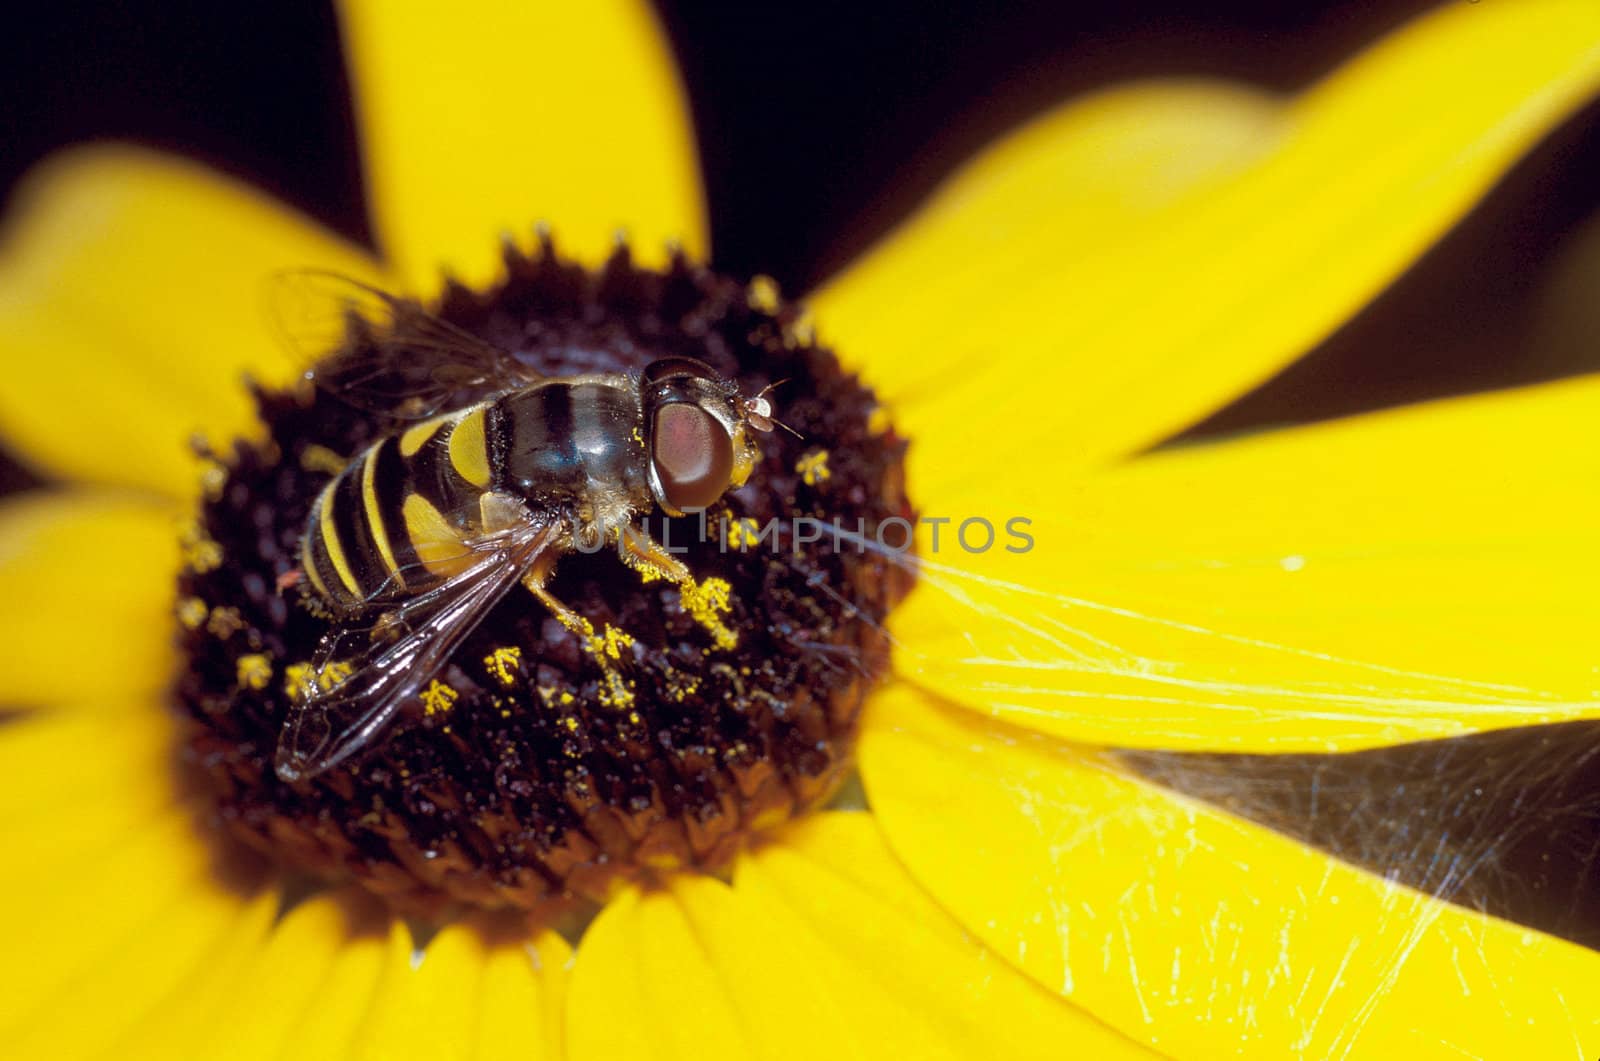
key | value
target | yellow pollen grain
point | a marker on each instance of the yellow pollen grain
(762, 295)
(200, 553)
(571, 724)
(254, 671)
(213, 477)
(681, 688)
(616, 640)
(706, 602)
(225, 622)
(316, 458)
(299, 682)
(813, 467)
(502, 664)
(802, 332)
(334, 674)
(192, 612)
(616, 692)
(438, 698)
(743, 533)
(878, 420)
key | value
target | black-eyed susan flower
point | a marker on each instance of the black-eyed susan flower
(1089, 286)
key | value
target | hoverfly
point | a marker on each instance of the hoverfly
(424, 531)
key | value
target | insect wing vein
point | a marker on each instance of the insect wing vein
(406, 647)
(383, 353)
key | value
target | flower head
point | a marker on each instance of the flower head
(1016, 886)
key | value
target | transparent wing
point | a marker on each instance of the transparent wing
(381, 352)
(391, 658)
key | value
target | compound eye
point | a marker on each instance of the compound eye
(692, 455)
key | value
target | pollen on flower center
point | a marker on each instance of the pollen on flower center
(546, 758)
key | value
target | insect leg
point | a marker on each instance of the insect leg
(604, 647)
(706, 601)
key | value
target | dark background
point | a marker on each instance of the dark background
(818, 122)
(820, 125)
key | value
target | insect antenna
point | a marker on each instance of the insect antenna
(758, 411)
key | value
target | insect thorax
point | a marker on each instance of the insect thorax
(576, 445)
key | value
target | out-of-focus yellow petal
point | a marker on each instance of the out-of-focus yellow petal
(433, 1005)
(929, 304)
(1406, 575)
(485, 118)
(253, 1003)
(1005, 312)
(522, 999)
(823, 947)
(86, 598)
(426, 1008)
(1201, 934)
(133, 294)
(79, 782)
(186, 1022)
(644, 987)
(111, 931)
(117, 894)
(151, 987)
(361, 969)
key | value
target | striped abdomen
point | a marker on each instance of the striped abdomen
(396, 519)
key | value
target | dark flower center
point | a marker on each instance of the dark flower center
(517, 776)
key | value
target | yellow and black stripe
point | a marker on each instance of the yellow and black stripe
(403, 514)
(398, 518)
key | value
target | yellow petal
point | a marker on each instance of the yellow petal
(82, 784)
(79, 782)
(924, 308)
(483, 119)
(1412, 574)
(856, 922)
(423, 1013)
(1005, 313)
(86, 598)
(184, 1023)
(433, 1005)
(173, 970)
(810, 954)
(132, 303)
(120, 909)
(1201, 934)
(328, 1027)
(111, 932)
(643, 987)
(522, 999)
(254, 1003)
